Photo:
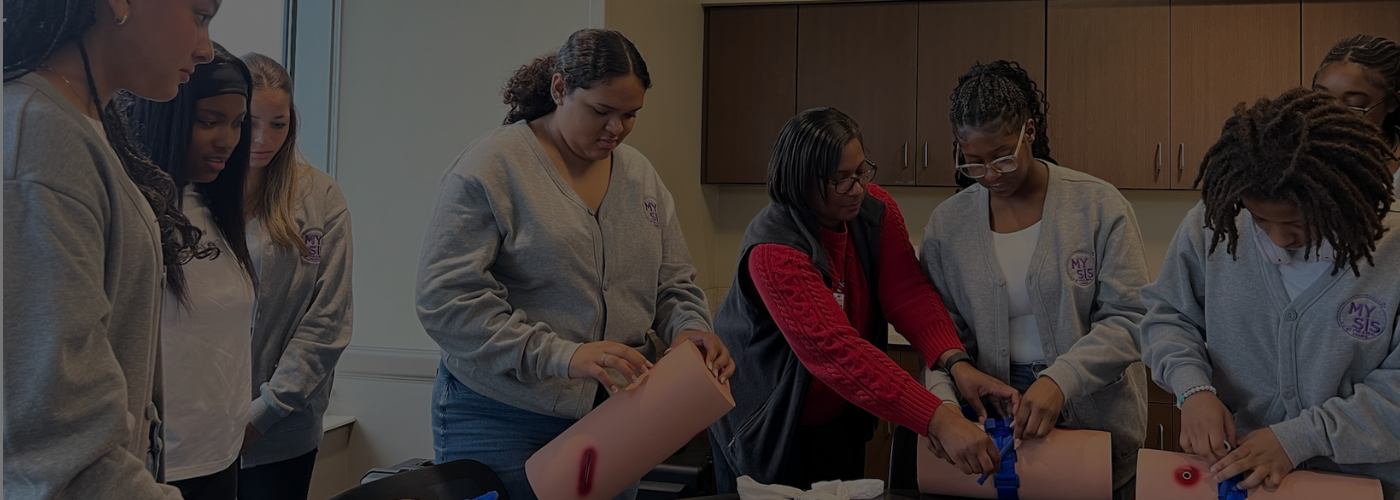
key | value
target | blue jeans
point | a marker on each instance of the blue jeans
(467, 424)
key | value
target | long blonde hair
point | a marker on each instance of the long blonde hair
(287, 169)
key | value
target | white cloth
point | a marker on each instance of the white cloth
(257, 243)
(1014, 254)
(207, 358)
(1297, 272)
(826, 490)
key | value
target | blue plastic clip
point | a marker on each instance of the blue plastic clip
(1008, 484)
(490, 495)
(1229, 489)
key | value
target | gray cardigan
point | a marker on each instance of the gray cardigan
(303, 322)
(517, 272)
(1084, 279)
(83, 284)
(1322, 370)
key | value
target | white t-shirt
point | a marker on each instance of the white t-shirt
(207, 358)
(1297, 273)
(1014, 253)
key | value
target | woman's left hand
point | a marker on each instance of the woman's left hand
(1040, 409)
(716, 354)
(1262, 455)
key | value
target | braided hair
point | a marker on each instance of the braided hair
(589, 57)
(1306, 149)
(34, 30)
(1000, 94)
(1381, 57)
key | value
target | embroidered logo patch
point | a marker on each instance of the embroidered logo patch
(313, 244)
(1362, 316)
(650, 204)
(1081, 268)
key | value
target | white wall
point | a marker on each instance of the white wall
(244, 26)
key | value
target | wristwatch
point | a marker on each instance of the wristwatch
(955, 358)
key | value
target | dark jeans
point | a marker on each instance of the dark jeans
(222, 485)
(286, 480)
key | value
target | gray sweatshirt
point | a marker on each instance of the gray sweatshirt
(303, 322)
(517, 272)
(83, 283)
(1322, 370)
(1084, 280)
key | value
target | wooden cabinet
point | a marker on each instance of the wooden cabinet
(1225, 53)
(877, 451)
(862, 59)
(952, 37)
(1108, 86)
(1326, 22)
(750, 89)
(1163, 419)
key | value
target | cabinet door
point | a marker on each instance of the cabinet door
(750, 89)
(1326, 22)
(1225, 53)
(1162, 428)
(1108, 83)
(952, 37)
(862, 59)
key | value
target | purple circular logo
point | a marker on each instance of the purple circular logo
(650, 204)
(313, 244)
(1081, 268)
(1363, 317)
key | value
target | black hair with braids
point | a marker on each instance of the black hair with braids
(1381, 57)
(1000, 94)
(34, 30)
(589, 57)
(1306, 149)
(164, 129)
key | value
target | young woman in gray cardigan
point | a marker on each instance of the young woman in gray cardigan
(299, 237)
(1040, 267)
(90, 226)
(552, 250)
(1283, 349)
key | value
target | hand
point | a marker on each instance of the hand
(961, 442)
(592, 360)
(973, 385)
(250, 436)
(716, 354)
(1206, 426)
(1040, 409)
(1261, 453)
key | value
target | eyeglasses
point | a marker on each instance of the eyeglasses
(1364, 111)
(864, 175)
(1003, 165)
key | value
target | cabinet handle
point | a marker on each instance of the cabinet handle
(925, 154)
(1161, 435)
(1159, 159)
(1180, 161)
(906, 155)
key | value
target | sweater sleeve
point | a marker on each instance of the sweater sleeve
(907, 299)
(1101, 355)
(826, 343)
(309, 359)
(464, 308)
(680, 303)
(1173, 330)
(66, 417)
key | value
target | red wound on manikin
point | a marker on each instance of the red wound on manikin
(585, 471)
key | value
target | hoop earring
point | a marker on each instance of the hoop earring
(122, 20)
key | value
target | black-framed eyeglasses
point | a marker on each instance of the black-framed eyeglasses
(864, 175)
(1003, 165)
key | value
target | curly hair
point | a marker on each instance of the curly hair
(1305, 149)
(589, 57)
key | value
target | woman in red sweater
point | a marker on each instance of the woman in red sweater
(824, 269)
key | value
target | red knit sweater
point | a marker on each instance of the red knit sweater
(845, 366)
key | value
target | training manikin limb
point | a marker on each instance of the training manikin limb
(1164, 475)
(632, 432)
(1064, 465)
